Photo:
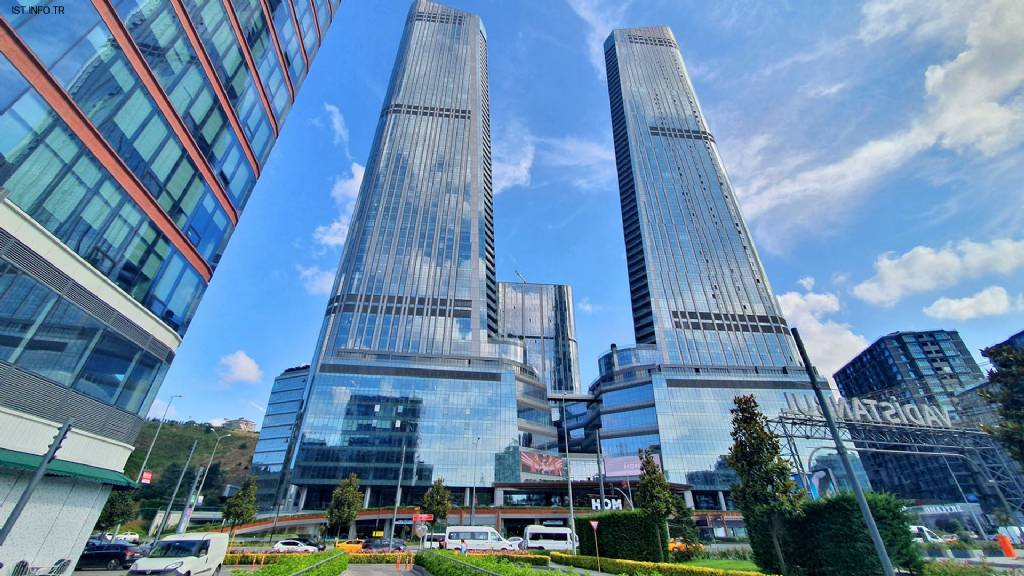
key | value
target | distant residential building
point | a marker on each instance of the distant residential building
(930, 367)
(243, 424)
(541, 316)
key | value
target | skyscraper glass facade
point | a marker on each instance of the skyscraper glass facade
(541, 317)
(410, 381)
(132, 133)
(707, 324)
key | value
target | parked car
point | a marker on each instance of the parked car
(351, 546)
(198, 553)
(132, 537)
(518, 542)
(476, 538)
(292, 546)
(381, 545)
(108, 556)
(312, 542)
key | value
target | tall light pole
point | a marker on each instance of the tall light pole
(472, 502)
(155, 436)
(170, 503)
(858, 492)
(398, 498)
(193, 499)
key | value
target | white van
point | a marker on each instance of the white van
(476, 538)
(434, 540)
(539, 537)
(195, 554)
(923, 535)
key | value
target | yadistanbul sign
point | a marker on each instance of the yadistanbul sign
(872, 411)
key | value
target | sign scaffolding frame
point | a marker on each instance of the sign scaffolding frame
(980, 450)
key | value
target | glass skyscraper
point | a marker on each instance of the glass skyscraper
(132, 133)
(541, 316)
(410, 380)
(707, 325)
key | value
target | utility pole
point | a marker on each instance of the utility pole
(170, 503)
(37, 477)
(398, 497)
(152, 443)
(858, 492)
(600, 469)
(472, 501)
(193, 501)
(568, 479)
(186, 510)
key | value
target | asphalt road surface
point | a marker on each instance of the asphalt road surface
(226, 571)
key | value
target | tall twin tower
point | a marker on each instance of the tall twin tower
(427, 367)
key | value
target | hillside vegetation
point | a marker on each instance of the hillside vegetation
(230, 464)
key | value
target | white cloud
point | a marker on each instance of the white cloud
(824, 91)
(316, 280)
(513, 158)
(923, 269)
(830, 344)
(338, 127)
(347, 188)
(344, 192)
(588, 164)
(973, 104)
(238, 367)
(992, 301)
(807, 282)
(156, 410)
(584, 305)
(601, 17)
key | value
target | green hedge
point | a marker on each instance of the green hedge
(379, 557)
(632, 535)
(521, 558)
(958, 569)
(450, 564)
(634, 568)
(333, 567)
(833, 540)
(289, 564)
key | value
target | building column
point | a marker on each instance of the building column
(466, 496)
(366, 498)
(721, 500)
(688, 496)
(302, 497)
(499, 496)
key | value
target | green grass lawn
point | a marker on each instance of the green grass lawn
(725, 564)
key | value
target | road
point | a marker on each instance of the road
(226, 571)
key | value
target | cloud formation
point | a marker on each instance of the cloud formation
(601, 17)
(585, 163)
(238, 367)
(513, 158)
(973, 105)
(156, 410)
(316, 280)
(992, 301)
(830, 344)
(924, 269)
(344, 192)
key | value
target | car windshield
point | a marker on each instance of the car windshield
(175, 549)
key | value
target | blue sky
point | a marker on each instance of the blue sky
(877, 151)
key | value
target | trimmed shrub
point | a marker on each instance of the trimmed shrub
(823, 523)
(450, 564)
(958, 569)
(379, 557)
(632, 535)
(516, 557)
(634, 568)
(332, 567)
(291, 563)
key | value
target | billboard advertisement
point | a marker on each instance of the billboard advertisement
(542, 464)
(625, 466)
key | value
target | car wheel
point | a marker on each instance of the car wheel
(113, 565)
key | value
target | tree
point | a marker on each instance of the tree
(654, 497)
(766, 493)
(1007, 393)
(346, 501)
(437, 500)
(121, 507)
(241, 506)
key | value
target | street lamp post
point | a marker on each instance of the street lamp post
(152, 443)
(193, 499)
